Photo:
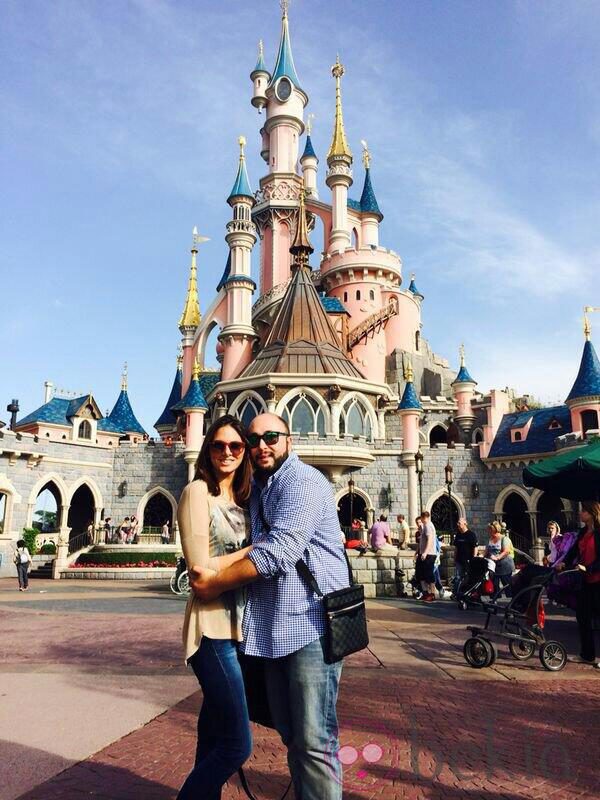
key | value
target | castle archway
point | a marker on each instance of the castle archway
(82, 512)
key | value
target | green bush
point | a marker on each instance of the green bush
(127, 557)
(48, 549)
(29, 536)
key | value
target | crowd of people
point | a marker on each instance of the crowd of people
(127, 532)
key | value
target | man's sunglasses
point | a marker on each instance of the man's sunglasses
(268, 437)
(236, 448)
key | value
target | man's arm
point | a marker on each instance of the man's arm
(208, 586)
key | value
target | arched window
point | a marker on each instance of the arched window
(249, 409)
(3, 509)
(417, 340)
(345, 297)
(589, 421)
(85, 430)
(478, 436)
(371, 294)
(358, 294)
(304, 415)
(437, 435)
(355, 420)
(518, 436)
(45, 514)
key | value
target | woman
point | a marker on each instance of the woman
(165, 533)
(585, 553)
(214, 528)
(499, 549)
(23, 561)
(555, 537)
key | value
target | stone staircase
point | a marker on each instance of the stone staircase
(42, 566)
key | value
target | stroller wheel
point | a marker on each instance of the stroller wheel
(521, 649)
(553, 656)
(173, 584)
(462, 604)
(479, 652)
(183, 584)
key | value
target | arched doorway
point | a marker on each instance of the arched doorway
(514, 513)
(46, 511)
(81, 513)
(550, 507)
(444, 515)
(350, 508)
(157, 511)
(437, 435)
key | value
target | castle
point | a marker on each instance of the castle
(335, 347)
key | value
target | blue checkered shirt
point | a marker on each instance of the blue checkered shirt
(282, 613)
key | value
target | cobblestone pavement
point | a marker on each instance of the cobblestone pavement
(416, 722)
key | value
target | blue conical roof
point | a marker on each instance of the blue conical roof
(226, 273)
(285, 60)
(260, 63)
(368, 201)
(413, 288)
(168, 417)
(463, 376)
(122, 415)
(409, 398)
(241, 187)
(193, 398)
(587, 382)
(309, 150)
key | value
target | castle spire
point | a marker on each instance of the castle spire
(241, 186)
(190, 318)
(284, 65)
(368, 201)
(301, 247)
(339, 148)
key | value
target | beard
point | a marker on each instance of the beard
(263, 473)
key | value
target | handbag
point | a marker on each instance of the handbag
(345, 615)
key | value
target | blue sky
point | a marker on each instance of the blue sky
(118, 135)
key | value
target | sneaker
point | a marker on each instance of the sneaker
(429, 598)
(581, 660)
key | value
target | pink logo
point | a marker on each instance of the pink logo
(364, 764)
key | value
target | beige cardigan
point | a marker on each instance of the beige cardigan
(219, 619)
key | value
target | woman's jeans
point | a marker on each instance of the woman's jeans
(22, 570)
(302, 691)
(588, 603)
(501, 581)
(224, 740)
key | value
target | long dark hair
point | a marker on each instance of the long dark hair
(204, 467)
(593, 509)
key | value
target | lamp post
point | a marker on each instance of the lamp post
(420, 471)
(351, 493)
(449, 478)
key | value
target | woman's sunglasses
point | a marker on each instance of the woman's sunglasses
(236, 448)
(268, 437)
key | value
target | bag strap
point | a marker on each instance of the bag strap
(301, 566)
(246, 788)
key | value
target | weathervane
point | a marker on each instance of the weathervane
(124, 377)
(587, 328)
(366, 156)
(285, 5)
(309, 123)
(461, 350)
(198, 239)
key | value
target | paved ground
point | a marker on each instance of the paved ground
(96, 703)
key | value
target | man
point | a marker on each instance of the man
(465, 548)
(404, 537)
(293, 516)
(379, 535)
(427, 554)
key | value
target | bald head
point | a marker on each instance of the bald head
(268, 422)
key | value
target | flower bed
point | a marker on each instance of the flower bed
(128, 559)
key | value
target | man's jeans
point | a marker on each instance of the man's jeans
(303, 692)
(460, 570)
(224, 740)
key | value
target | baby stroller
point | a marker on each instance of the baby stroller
(521, 623)
(180, 581)
(477, 583)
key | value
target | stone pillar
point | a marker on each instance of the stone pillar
(335, 417)
(381, 423)
(408, 460)
(62, 546)
(537, 546)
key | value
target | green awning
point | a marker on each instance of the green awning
(574, 473)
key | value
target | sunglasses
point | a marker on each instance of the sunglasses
(236, 448)
(268, 437)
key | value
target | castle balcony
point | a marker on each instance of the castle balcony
(356, 264)
(334, 454)
(241, 225)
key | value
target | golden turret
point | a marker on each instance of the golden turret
(339, 146)
(190, 317)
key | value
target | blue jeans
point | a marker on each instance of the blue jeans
(460, 570)
(22, 575)
(303, 692)
(224, 740)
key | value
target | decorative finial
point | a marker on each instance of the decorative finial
(285, 5)
(261, 49)
(179, 357)
(124, 378)
(339, 146)
(408, 371)
(461, 350)
(196, 240)
(309, 123)
(587, 328)
(196, 370)
(242, 144)
(366, 156)
(301, 247)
